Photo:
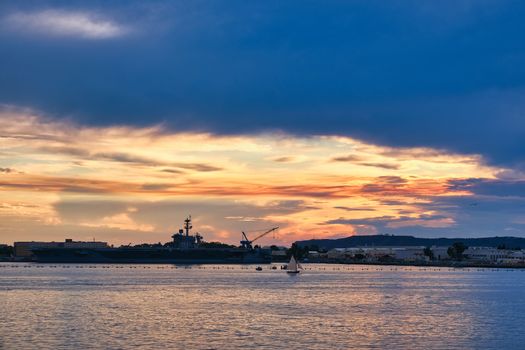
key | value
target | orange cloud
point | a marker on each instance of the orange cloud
(43, 161)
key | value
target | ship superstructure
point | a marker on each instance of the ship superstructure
(183, 239)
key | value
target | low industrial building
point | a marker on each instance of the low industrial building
(491, 254)
(409, 254)
(372, 254)
(440, 253)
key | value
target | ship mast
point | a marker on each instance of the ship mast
(187, 225)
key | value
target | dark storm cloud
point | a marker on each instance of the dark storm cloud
(490, 187)
(480, 215)
(447, 74)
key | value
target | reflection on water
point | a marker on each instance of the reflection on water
(236, 307)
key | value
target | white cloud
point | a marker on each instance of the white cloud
(63, 23)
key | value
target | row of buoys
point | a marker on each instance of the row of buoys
(271, 267)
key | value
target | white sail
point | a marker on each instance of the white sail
(292, 265)
(299, 266)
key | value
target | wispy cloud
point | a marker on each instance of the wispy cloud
(128, 158)
(350, 158)
(375, 189)
(84, 25)
(285, 159)
(382, 165)
(342, 207)
(355, 159)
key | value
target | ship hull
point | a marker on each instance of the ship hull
(151, 256)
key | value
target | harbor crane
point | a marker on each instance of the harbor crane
(246, 243)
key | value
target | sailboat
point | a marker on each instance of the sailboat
(293, 266)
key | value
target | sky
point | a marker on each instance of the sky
(325, 118)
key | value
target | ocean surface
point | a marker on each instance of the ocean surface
(235, 307)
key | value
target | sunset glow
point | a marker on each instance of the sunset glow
(124, 184)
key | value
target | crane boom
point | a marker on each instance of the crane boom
(265, 233)
(246, 243)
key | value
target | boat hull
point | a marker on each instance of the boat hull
(151, 256)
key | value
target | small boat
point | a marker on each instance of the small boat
(293, 266)
(258, 268)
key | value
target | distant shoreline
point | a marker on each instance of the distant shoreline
(450, 264)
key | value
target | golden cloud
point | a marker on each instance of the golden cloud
(43, 160)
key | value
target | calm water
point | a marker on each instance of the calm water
(236, 307)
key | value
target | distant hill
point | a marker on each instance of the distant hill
(389, 241)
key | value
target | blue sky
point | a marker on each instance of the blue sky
(445, 75)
